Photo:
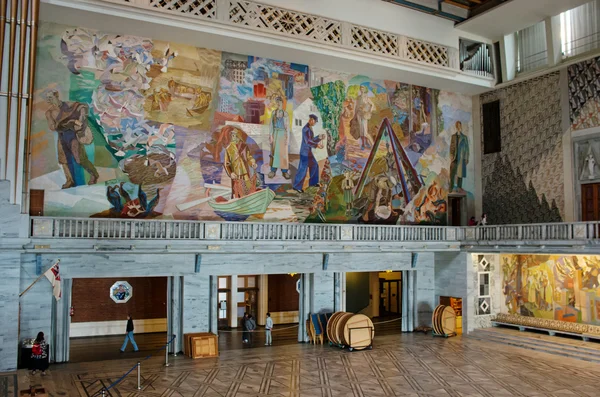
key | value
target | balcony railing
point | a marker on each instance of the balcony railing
(299, 25)
(46, 227)
(90, 228)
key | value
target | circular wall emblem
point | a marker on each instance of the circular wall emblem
(121, 292)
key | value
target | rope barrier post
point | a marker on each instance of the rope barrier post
(174, 348)
(167, 357)
(139, 368)
(103, 392)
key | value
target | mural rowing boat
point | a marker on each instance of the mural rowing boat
(254, 203)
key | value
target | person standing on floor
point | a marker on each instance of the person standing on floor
(39, 354)
(268, 328)
(129, 336)
(250, 326)
(244, 324)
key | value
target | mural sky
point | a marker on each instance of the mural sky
(130, 127)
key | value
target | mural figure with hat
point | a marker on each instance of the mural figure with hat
(459, 158)
(307, 158)
(278, 138)
(238, 162)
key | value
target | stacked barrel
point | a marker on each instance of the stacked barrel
(354, 331)
(444, 321)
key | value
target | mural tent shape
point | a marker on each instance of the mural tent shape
(388, 161)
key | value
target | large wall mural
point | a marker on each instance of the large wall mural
(564, 288)
(524, 183)
(131, 127)
(584, 94)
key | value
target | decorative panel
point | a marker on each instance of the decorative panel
(204, 8)
(374, 40)
(423, 51)
(285, 21)
(584, 94)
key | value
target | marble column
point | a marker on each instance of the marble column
(9, 310)
(304, 307)
(213, 307)
(61, 322)
(196, 303)
(323, 292)
(233, 302)
(175, 299)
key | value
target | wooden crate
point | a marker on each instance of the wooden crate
(204, 346)
(187, 342)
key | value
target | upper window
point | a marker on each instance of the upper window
(580, 29)
(532, 51)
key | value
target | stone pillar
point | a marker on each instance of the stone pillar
(196, 303)
(213, 307)
(339, 292)
(9, 309)
(61, 322)
(424, 288)
(175, 300)
(263, 298)
(233, 285)
(304, 306)
(323, 292)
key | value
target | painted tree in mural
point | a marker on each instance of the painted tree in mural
(508, 199)
(329, 99)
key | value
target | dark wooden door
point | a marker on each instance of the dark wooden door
(36, 202)
(590, 202)
(455, 211)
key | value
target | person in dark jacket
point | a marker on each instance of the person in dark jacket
(39, 354)
(244, 325)
(129, 336)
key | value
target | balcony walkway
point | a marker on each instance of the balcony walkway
(574, 235)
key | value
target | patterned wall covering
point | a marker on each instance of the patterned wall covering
(131, 127)
(524, 182)
(584, 94)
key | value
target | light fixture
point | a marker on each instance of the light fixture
(292, 274)
(388, 271)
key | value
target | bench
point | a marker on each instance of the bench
(552, 327)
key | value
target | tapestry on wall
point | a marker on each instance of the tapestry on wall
(584, 94)
(130, 127)
(564, 288)
(523, 183)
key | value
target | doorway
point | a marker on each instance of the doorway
(590, 202)
(98, 316)
(389, 303)
(456, 210)
(224, 296)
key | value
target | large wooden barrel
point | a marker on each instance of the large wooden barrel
(339, 328)
(358, 332)
(331, 326)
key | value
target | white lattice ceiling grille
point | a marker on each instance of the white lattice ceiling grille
(423, 51)
(284, 21)
(374, 41)
(203, 8)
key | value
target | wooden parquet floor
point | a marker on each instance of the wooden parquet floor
(398, 365)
